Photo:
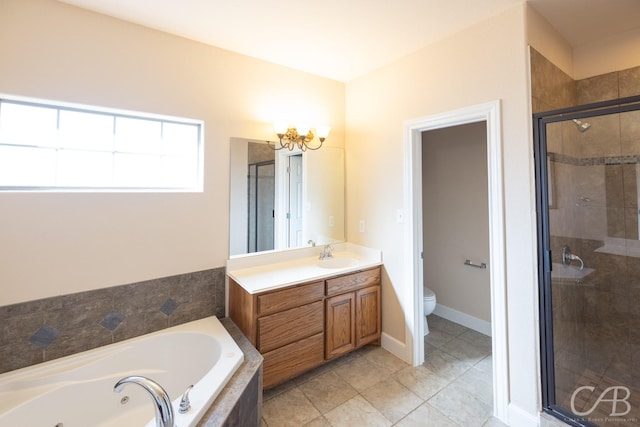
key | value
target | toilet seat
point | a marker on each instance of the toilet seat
(429, 294)
(429, 304)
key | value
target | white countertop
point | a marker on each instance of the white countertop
(273, 270)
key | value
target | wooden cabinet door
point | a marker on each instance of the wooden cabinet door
(368, 323)
(340, 334)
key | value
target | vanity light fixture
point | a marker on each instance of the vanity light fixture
(300, 136)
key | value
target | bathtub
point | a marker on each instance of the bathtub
(77, 390)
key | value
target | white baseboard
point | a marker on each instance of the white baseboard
(395, 347)
(521, 418)
(463, 319)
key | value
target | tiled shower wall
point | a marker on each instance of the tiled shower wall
(37, 331)
(600, 163)
(600, 201)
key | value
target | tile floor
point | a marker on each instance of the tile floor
(371, 387)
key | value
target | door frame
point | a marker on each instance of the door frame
(540, 121)
(491, 113)
(281, 223)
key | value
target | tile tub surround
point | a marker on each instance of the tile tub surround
(240, 402)
(37, 331)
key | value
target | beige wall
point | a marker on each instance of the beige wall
(547, 40)
(324, 196)
(485, 62)
(53, 244)
(615, 53)
(456, 217)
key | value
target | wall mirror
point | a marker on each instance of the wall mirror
(284, 199)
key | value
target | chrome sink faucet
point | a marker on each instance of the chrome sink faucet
(327, 252)
(161, 400)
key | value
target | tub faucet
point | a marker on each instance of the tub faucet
(327, 252)
(161, 400)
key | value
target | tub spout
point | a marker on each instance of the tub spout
(161, 400)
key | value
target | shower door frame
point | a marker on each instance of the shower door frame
(256, 198)
(540, 121)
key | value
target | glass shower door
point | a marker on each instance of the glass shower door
(588, 165)
(261, 204)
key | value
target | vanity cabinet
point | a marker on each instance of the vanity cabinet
(285, 325)
(352, 312)
(299, 327)
(340, 335)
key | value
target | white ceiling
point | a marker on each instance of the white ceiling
(343, 39)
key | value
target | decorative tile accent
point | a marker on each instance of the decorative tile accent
(44, 336)
(112, 320)
(169, 306)
(593, 161)
(77, 322)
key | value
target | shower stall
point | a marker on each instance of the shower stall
(261, 205)
(588, 191)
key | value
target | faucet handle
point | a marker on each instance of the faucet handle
(185, 404)
(330, 251)
(566, 255)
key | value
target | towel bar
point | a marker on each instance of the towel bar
(471, 264)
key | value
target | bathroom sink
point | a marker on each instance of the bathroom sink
(337, 262)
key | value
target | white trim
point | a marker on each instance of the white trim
(395, 347)
(521, 418)
(463, 319)
(489, 112)
(281, 200)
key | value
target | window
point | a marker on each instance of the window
(46, 146)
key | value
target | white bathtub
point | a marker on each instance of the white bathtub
(77, 390)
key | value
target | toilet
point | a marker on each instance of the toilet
(429, 306)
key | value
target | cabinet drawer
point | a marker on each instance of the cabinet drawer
(353, 281)
(291, 360)
(288, 326)
(288, 298)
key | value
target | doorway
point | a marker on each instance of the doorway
(294, 201)
(455, 223)
(489, 113)
(289, 199)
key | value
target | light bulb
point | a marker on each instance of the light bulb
(323, 131)
(280, 127)
(302, 129)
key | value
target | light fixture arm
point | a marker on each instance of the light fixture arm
(292, 139)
